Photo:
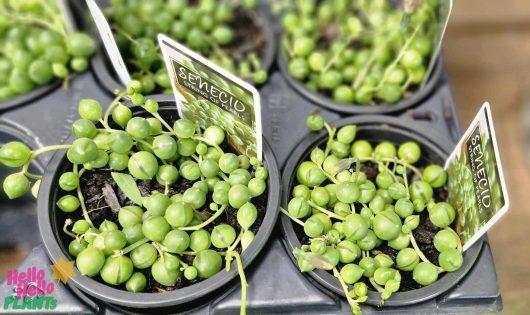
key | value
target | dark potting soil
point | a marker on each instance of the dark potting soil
(250, 36)
(93, 183)
(424, 233)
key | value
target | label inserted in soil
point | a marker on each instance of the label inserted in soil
(210, 95)
(476, 186)
(109, 42)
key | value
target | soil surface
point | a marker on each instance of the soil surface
(94, 182)
(424, 233)
(249, 37)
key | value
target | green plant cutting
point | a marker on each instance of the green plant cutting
(359, 52)
(169, 237)
(37, 48)
(353, 198)
(220, 30)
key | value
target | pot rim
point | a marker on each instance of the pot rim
(27, 98)
(150, 300)
(326, 280)
(105, 76)
(354, 109)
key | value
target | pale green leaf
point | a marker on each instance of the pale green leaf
(128, 186)
(35, 188)
(318, 261)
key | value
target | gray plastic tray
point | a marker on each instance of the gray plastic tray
(275, 284)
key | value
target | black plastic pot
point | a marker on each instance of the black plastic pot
(107, 77)
(375, 128)
(50, 226)
(353, 109)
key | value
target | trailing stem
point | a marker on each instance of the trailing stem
(241, 271)
(282, 210)
(355, 308)
(81, 198)
(205, 223)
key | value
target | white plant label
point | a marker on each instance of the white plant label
(209, 95)
(109, 42)
(476, 185)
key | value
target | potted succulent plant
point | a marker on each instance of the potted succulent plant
(360, 57)
(229, 33)
(146, 202)
(37, 50)
(366, 212)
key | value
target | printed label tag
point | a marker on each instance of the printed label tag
(210, 95)
(476, 186)
(109, 42)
